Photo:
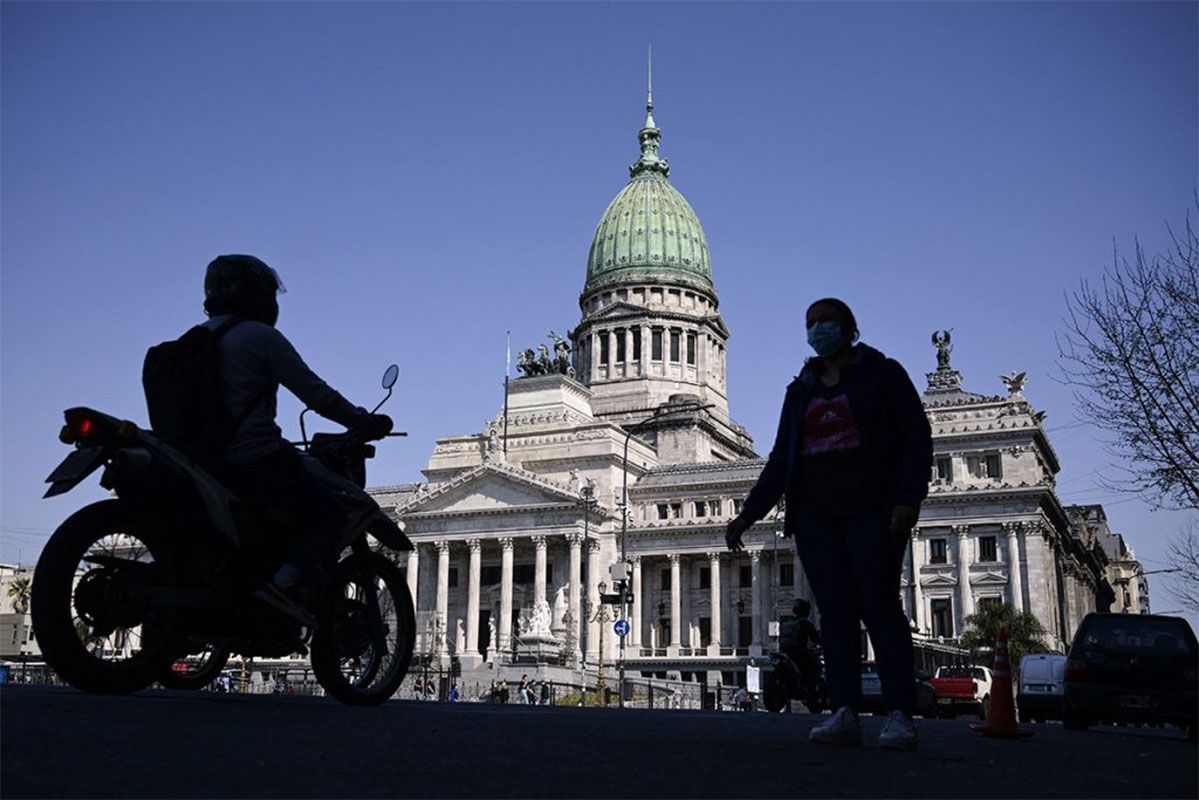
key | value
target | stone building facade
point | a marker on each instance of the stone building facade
(633, 458)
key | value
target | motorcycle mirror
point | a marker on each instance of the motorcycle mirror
(391, 376)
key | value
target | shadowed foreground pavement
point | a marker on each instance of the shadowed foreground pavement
(60, 743)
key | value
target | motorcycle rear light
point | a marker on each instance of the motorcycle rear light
(81, 425)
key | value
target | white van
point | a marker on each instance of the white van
(1042, 687)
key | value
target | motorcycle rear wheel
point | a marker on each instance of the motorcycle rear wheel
(363, 644)
(88, 623)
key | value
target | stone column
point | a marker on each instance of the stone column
(714, 582)
(576, 577)
(918, 590)
(638, 605)
(539, 570)
(1015, 579)
(475, 546)
(593, 598)
(413, 573)
(966, 600)
(505, 626)
(644, 333)
(630, 367)
(755, 560)
(443, 592)
(676, 605)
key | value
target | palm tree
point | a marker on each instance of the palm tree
(1024, 631)
(19, 591)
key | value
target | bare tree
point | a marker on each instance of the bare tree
(1131, 352)
(1182, 554)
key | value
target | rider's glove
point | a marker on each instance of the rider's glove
(374, 426)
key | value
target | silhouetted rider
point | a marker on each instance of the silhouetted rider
(259, 464)
(797, 635)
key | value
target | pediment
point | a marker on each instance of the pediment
(988, 578)
(489, 488)
(617, 310)
(939, 580)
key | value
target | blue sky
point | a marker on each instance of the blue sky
(426, 177)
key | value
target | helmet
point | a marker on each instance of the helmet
(242, 285)
(802, 608)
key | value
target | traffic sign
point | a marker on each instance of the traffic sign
(621, 627)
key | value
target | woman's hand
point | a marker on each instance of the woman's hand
(732, 535)
(903, 519)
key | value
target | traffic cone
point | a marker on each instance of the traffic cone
(1001, 713)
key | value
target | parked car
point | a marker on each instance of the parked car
(1132, 668)
(1042, 687)
(872, 694)
(962, 690)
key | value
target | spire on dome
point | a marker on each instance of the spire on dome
(649, 135)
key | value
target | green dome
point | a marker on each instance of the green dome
(649, 232)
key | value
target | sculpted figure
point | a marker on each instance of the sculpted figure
(943, 341)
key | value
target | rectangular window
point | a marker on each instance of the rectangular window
(620, 343)
(936, 551)
(745, 631)
(714, 508)
(786, 574)
(603, 337)
(691, 349)
(993, 470)
(945, 469)
(674, 346)
(738, 503)
(987, 602)
(655, 344)
(987, 550)
(705, 577)
(942, 617)
(705, 631)
(637, 345)
(745, 576)
(663, 511)
(489, 575)
(453, 577)
(701, 508)
(676, 510)
(522, 574)
(665, 579)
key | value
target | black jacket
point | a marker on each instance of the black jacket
(896, 436)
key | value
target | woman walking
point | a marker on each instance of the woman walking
(852, 457)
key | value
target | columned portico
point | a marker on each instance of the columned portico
(475, 547)
(539, 569)
(575, 541)
(715, 597)
(635, 622)
(1015, 579)
(505, 626)
(755, 560)
(443, 593)
(963, 534)
(676, 605)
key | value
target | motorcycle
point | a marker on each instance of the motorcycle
(158, 584)
(789, 682)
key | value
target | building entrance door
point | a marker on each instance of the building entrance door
(484, 632)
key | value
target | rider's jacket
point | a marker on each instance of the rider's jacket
(255, 359)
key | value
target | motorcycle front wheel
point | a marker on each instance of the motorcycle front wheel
(88, 610)
(366, 631)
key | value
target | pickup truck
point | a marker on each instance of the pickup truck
(962, 690)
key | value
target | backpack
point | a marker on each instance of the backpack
(182, 382)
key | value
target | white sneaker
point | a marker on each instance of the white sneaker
(899, 732)
(843, 727)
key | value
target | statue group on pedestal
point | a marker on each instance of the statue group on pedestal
(543, 363)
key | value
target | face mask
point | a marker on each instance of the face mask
(825, 337)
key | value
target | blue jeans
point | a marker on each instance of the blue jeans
(854, 566)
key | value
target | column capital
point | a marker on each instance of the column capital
(474, 545)
(1011, 528)
(538, 541)
(961, 531)
(506, 543)
(574, 539)
(593, 545)
(755, 556)
(442, 545)
(674, 558)
(635, 561)
(714, 556)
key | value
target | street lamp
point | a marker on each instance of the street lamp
(658, 413)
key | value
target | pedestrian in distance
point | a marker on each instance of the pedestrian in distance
(852, 458)
(453, 693)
